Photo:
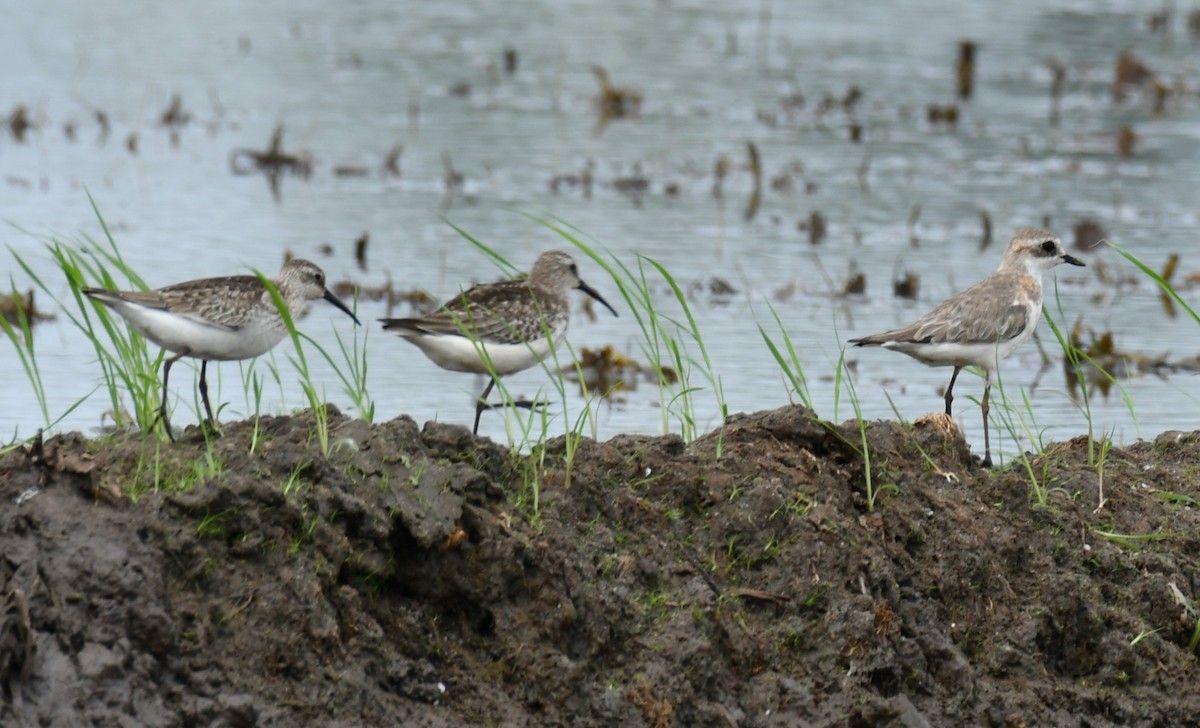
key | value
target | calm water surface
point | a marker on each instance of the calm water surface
(350, 82)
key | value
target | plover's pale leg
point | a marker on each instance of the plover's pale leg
(950, 389)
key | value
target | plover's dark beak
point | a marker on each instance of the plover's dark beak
(338, 302)
(592, 292)
(1072, 260)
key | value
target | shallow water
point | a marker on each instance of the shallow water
(351, 85)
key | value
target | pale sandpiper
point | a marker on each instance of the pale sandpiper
(500, 328)
(217, 319)
(986, 322)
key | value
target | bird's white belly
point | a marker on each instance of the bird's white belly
(460, 354)
(950, 353)
(202, 341)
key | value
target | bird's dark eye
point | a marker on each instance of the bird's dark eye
(319, 278)
(574, 269)
(1049, 247)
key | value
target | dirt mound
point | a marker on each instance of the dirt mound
(426, 577)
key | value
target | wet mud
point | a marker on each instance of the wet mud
(421, 576)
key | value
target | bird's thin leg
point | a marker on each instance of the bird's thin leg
(528, 404)
(212, 422)
(950, 389)
(162, 408)
(482, 404)
(987, 445)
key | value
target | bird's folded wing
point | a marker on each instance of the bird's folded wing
(973, 321)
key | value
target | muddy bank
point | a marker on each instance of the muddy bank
(407, 579)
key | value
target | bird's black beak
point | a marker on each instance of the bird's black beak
(1072, 260)
(338, 302)
(592, 292)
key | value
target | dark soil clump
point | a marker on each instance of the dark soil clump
(426, 577)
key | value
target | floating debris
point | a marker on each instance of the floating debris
(790, 108)
(756, 173)
(1058, 80)
(1158, 21)
(614, 103)
(846, 104)
(856, 284)
(793, 102)
(452, 180)
(418, 301)
(274, 162)
(1168, 272)
(850, 101)
(814, 226)
(634, 186)
(1127, 140)
(914, 216)
(906, 286)
(942, 114)
(18, 122)
(131, 142)
(105, 125)
(360, 250)
(985, 220)
(391, 162)
(608, 371)
(1161, 94)
(1088, 234)
(1101, 361)
(510, 61)
(583, 180)
(248, 161)
(175, 116)
(15, 306)
(715, 290)
(966, 69)
(720, 171)
(1129, 72)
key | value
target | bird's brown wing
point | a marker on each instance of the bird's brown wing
(508, 313)
(229, 302)
(986, 313)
